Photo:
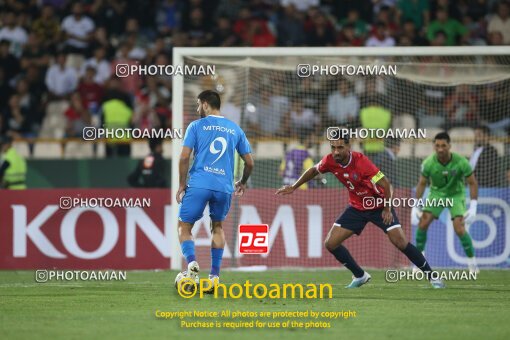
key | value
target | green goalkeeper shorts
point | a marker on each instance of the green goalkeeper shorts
(435, 205)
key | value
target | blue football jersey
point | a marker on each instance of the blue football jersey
(214, 140)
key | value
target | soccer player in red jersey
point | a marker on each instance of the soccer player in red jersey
(365, 184)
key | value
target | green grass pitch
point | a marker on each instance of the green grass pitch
(126, 309)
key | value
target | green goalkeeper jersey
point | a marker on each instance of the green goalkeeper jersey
(446, 180)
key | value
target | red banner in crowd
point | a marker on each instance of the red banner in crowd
(87, 229)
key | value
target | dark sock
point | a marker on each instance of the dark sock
(417, 258)
(344, 257)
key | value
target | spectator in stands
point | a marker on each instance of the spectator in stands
(34, 54)
(13, 167)
(409, 31)
(495, 38)
(347, 37)
(167, 16)
(386, 160)
(78, 117)
(440, 39)
(61, 80)
(151, 171)
(18, 119)
(101, 39)
(493, 110)
(290, 27)
(385, 16)
(117, 113)
(416, 10)
(47, 28)
(231, 108)
(456, 32)
(78, 30)
(100, 64)
(343, 106)
(145, 117)
(198, 28)
(132, 82)
(296, 161)
(321, 33)
(222, 34)
(301, 5)
(154, 92)
(27, 100)
(301, 121)
(374, 116)
(90, 92)
(485, 159)
(430, 113)
(5, 89)
(229, 8)
(163, 79)
(461, 107)
(14, 33)
(109, 14)
(360, 26)
(8, 62)
(380, 37)
(264, 117)
(500, 22)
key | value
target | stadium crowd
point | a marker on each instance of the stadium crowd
(58, 57)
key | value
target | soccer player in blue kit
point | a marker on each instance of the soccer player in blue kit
(214, 141)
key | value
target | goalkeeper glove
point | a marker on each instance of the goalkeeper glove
(415, 215)
(471, 213)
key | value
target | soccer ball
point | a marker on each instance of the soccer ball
(185, 285)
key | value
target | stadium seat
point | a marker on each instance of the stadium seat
(100, 150)
(404, 121)
(406, 150)
(47, 150)
(466, 146)
(269, 150)
(139, 149)
(54, 123)
(22, 148)
(78, 150)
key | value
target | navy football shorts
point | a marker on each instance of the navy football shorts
(356, 220)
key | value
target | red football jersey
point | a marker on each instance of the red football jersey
(358, 176)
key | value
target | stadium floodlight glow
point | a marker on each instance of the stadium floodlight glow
(421, 72)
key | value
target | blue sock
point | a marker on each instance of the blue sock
(216, 256)
(188, 250)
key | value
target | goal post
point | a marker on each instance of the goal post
(277, 108)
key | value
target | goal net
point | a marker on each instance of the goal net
(285, 99)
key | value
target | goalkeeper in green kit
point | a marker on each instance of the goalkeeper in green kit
(446, 172)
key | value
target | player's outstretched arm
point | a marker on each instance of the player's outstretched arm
(308, 175)
(240, 186)
(183, 172)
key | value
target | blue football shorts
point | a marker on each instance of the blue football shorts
(194, 201)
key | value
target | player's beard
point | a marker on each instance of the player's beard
(202, 112)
